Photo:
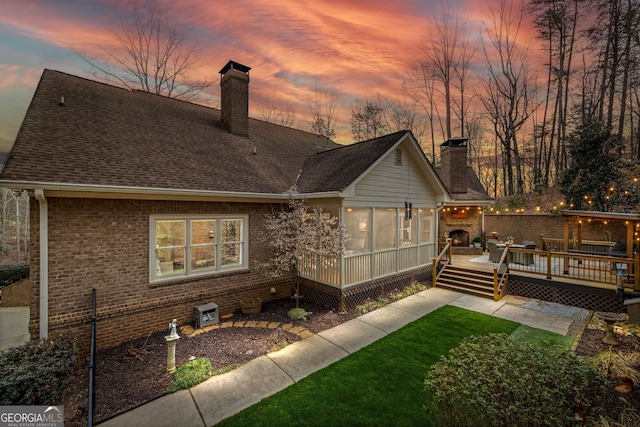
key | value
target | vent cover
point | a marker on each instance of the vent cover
(398, 158)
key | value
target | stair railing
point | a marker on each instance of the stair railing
(441, 261)
(501, 275)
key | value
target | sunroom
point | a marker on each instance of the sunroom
(381, 242)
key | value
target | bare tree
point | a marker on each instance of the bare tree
(15, 225)
(322, 107)
(367, 120)
(154, 57)
(402, 114)
(419, 85)
(439, 81)
(447, 29)
(508, 88)
(285, 116)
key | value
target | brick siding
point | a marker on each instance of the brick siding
(104, 244)
(530, 227)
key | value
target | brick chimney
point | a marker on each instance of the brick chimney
(234, 93)
(453, 164)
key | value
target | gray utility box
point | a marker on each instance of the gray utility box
(633, 308)
(206, 314)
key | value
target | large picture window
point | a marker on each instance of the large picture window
(186, 246)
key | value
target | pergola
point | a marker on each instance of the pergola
(630, 220)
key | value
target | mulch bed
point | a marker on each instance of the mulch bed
(134, 373)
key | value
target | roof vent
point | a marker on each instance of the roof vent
(61, 103)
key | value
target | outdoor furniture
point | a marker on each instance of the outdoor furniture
(522, 257)
(495, 253)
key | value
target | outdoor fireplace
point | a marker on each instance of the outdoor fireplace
(459, 238)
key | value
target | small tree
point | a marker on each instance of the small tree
(296, 233)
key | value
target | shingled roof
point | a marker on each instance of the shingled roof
(475, 191)
(334, 170)
(107, 136)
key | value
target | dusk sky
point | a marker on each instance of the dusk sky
(355, 48)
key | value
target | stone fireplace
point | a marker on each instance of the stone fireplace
(459, 238)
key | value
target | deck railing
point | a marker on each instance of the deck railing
(587, 245)
(441, 261)
(501, 276)
(581, 266)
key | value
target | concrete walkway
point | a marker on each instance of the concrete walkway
(225, 395)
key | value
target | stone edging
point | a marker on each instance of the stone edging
(300, 331)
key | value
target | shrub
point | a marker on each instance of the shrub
(36, 373)
(494, 381)
(408, 290)
(10, 274)
(371, 305)
(191, 373)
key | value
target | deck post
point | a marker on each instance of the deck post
(566, 245)
(434, 272)
(636, 272)
(549, 263)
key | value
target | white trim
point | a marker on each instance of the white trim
(158, 192)
(188, 219)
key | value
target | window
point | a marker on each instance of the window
(386, 228)
(425, 225)
(357, 222)
(188, 246)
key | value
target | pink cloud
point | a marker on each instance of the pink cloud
(355, 48)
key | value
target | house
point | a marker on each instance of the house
(462, 219)
(160, 204)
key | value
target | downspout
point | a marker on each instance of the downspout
(44, 263)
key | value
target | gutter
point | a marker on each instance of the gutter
(157, 192)
(44, 263)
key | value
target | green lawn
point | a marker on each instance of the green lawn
(382, 384)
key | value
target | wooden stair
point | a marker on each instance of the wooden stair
(479, 283)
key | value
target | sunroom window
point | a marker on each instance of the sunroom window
(357, 223)
(187, 246)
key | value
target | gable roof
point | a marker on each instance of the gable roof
(339, 170)
(111, 137)
(334, 170)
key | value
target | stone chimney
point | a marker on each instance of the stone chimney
(234, 93)
(453, 164)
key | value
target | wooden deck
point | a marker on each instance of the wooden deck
(473, 262)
